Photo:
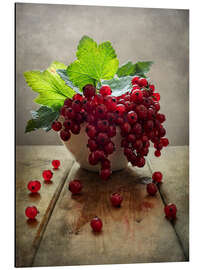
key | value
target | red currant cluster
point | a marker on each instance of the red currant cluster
(135, 114)
(35, 185)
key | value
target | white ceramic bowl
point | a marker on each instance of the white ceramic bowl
(77, 145)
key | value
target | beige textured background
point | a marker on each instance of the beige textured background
(45, 33)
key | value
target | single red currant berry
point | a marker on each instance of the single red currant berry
(101, 111)
(96, 224)
(76, 106)
(157, 106)
(126, 128)
(136, 96)
(93, 159)
(132, 117)
(157, 177)
(78, 97)
(105, 90)
(157, 153)
(119, 121)
(56, 163)
(75, 129)
(31, 212)
(92, 145)
(140, 161)
(138, 144)
(158, 146)
(56, 125)
(137, 128)
(34, 186)
(162, 131)
(160, 117)
(135, 80)
(75, 186)
(68, 102)
(131, 138)
(141, 111)
(98, 99)
(102, 125)
(116, 199)
(120, 109)
(47, 175)
(143, 82)
(105, 173)
(152, 87)
(170, 211)
(89, 91)
(102, 138)
(99, 155)
(111, 131)
(70, 113)
(105, 164)
(68, 124)
(109, 148)
(65, 135)
(152, 189)
(156, 96)
(165, 141)
(91, 131)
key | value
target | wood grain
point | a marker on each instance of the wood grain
(135, 232)
(30, 162)
(174, 164)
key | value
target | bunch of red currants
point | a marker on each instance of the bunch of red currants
(134, 114)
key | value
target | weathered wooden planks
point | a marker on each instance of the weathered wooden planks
(174, 164)
(30, 162)
(136, 232)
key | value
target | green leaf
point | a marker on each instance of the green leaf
(63, 74)
(42, 118)
(49, 85)
(119, 86)
(139, 68)
(95, 62)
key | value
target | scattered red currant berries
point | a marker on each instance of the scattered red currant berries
(96, 224)
(75, 186)
(116, 199)
(157, 177)
(56, 163)
(34, 186)
(47, 175)
(152, 189)
(170, 211)
(31, 212)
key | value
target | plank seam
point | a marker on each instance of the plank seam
(164, 202)
(37, 240)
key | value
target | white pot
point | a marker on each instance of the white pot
(77, 145)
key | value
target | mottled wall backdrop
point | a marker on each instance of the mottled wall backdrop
(45, 33)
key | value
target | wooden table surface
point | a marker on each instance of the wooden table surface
(134, 233)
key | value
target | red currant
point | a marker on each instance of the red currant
(56, 126)
(116, 199)
(34, 186)
(96, 224)
(31, 212)
(75, 186)
(56, 163)
(105, 174)
(170, 211)
(47, 175)
(65, 135)
(152, 189)
(105, 90)
(157, 177)
(89, 91)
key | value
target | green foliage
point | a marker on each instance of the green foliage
(42, 118)
(94, 63)
(139, 68)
